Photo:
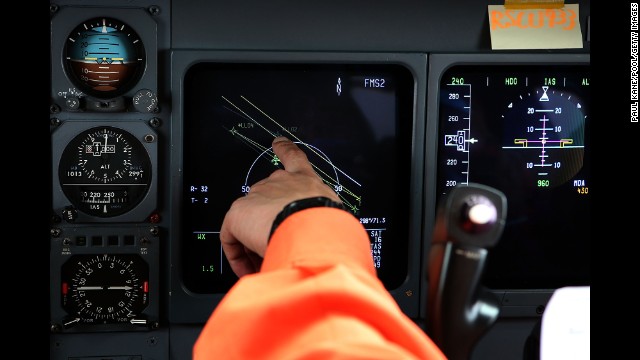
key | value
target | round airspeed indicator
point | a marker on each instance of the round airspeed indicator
(105, 171)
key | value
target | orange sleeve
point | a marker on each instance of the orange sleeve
(317, 296)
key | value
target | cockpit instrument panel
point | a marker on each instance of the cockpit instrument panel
(523, 128)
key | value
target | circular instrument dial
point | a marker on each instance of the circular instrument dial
(104, 57)
(545, 126)
(101, 289)
(105, 171)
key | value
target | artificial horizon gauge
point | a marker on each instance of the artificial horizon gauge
(105, 289)
(546, 124)
(104, 57)
(105, 171)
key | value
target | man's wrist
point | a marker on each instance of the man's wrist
(302, 204)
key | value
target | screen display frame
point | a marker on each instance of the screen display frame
(187, 306)
(517, 301)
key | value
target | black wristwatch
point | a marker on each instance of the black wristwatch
(318, 201)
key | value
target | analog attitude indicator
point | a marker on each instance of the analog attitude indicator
(105, 289)
(104, 57)
(105, 171)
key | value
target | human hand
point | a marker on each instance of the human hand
(245, 230)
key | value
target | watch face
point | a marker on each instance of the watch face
(105, 289)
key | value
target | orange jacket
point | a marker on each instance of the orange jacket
(316, 296)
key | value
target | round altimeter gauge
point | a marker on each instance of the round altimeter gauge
(106, 288)
(104, 57)
(105, 171)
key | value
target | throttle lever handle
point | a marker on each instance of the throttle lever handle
(459, 310)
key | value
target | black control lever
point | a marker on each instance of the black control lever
(459, 309)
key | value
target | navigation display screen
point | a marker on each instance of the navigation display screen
(353, 121)
(524, 130)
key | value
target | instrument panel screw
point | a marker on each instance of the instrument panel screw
(152, 341)
(55, 232)
(53, 8)
(54, 108)
(154, 218)
(55, 327)
(155, 122)
(154, 10)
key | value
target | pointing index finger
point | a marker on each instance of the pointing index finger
(290, 155)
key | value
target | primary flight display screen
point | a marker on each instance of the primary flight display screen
(524, 129)
(353, 121)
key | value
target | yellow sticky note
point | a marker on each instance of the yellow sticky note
(535, 28)
(533, 4)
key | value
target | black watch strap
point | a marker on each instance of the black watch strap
(317, 201)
